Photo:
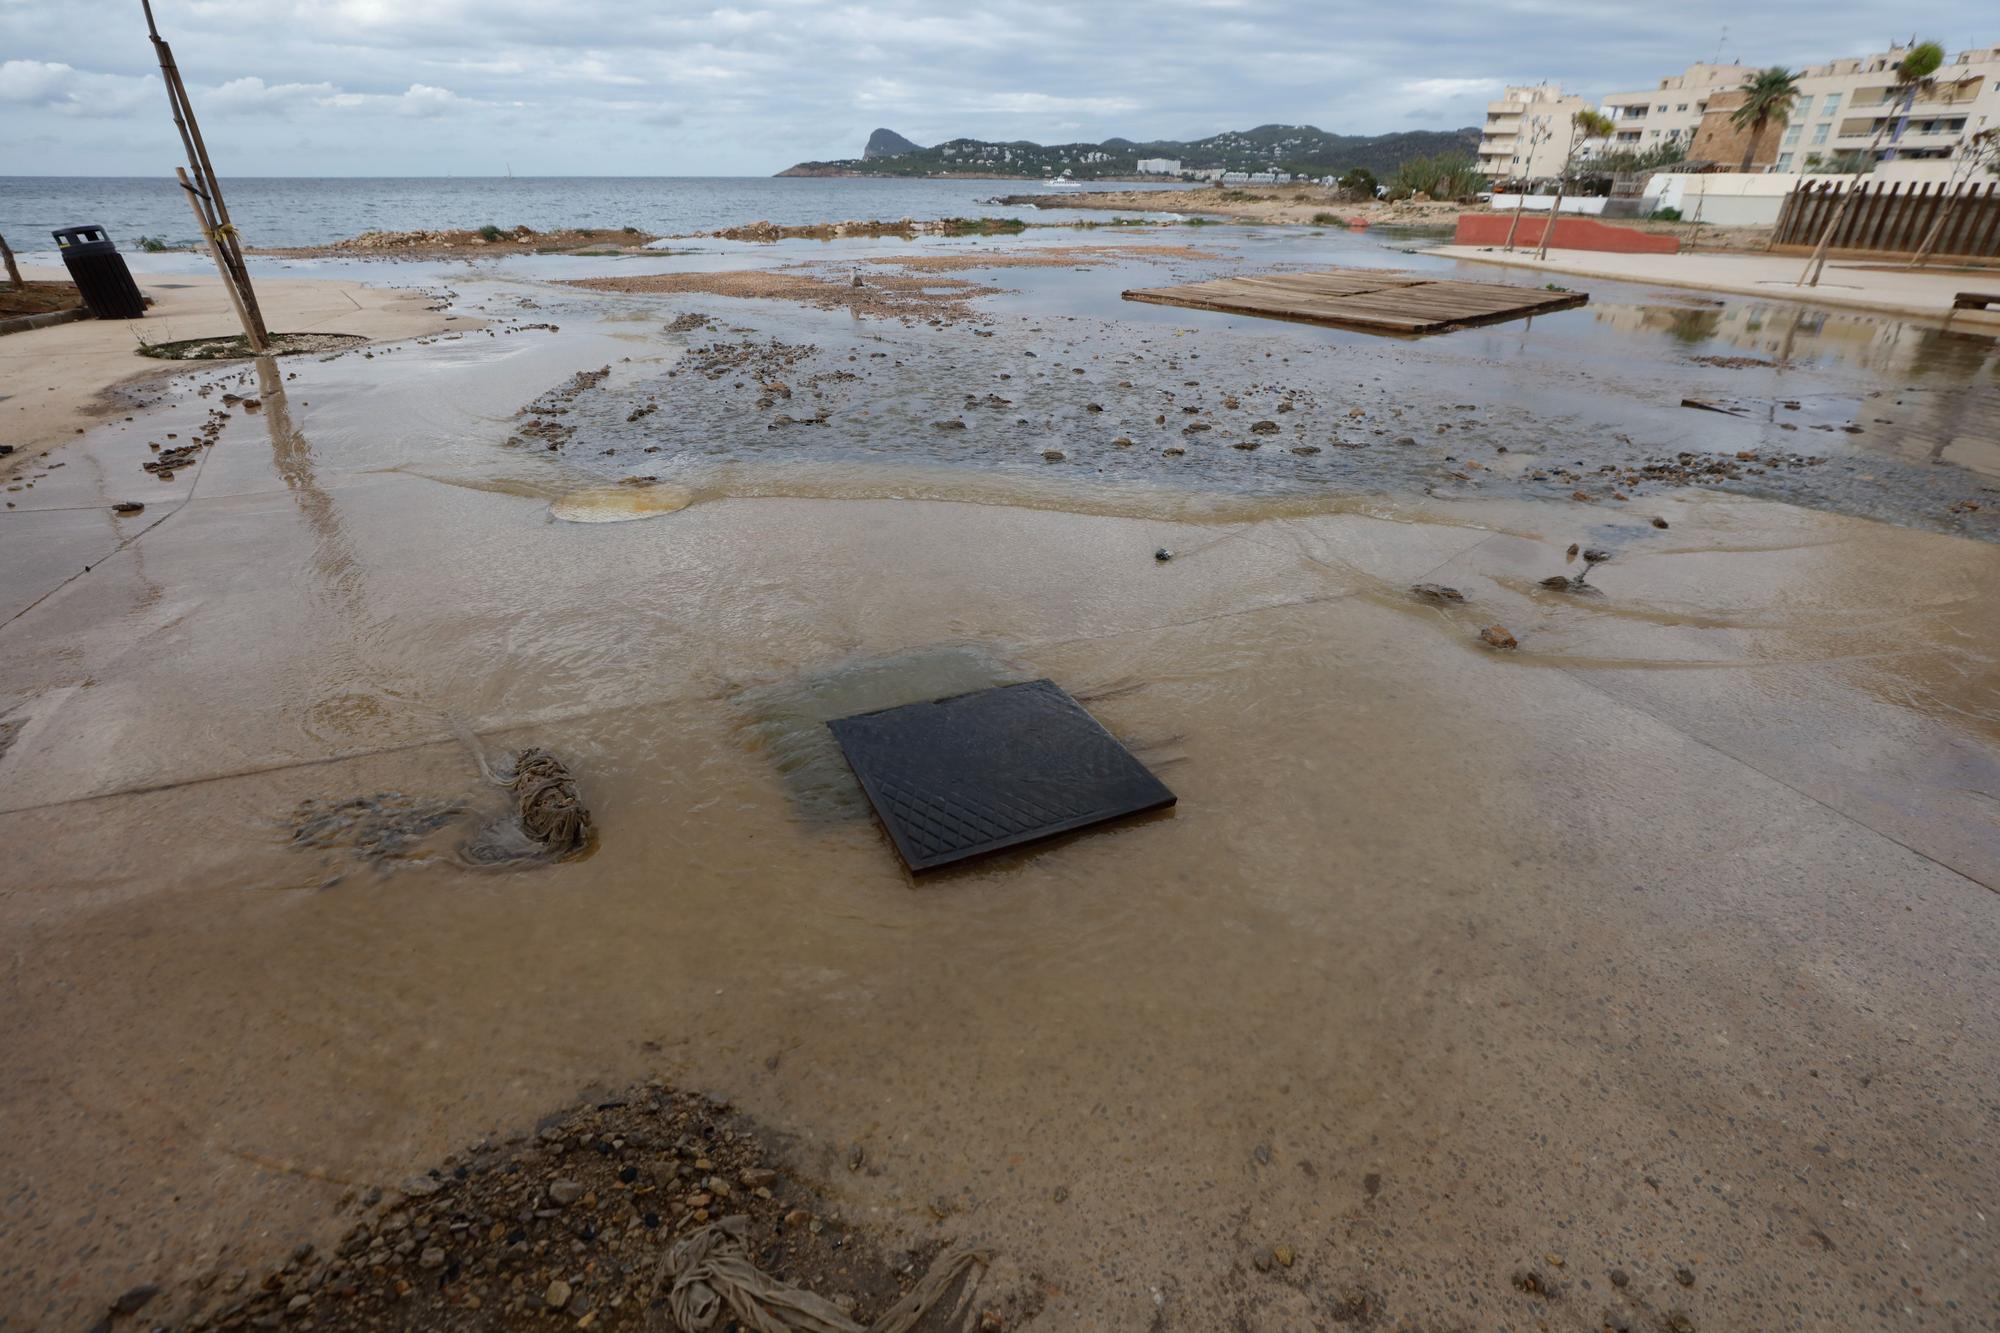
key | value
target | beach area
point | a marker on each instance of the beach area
(1579, 911)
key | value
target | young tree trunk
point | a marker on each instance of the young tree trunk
(1520, 202)
(1936, 229)
(1817, 264)
(13, 269)
(1549, 227)
(1750, 148)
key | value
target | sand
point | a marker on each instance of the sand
(56, 379)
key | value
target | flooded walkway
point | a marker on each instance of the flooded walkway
(1644, 970)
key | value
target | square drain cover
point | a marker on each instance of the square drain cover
(959, 777)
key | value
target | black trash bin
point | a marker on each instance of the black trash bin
(99, 272)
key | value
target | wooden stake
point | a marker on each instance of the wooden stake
(250, 331)
(13, 269)
(206, 196)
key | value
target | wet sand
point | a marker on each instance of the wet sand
(1642, 972)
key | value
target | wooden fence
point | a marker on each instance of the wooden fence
(1894, 219)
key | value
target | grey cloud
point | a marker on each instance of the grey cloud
(421, 86)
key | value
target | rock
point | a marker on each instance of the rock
(1498, 637)
(1534, 1284)
(1245, 445)
(757, 1177)
(1659, 522)
(563, 1193)
(1437, 592)
(1620, 1278)
(432, 1257)
(855, 1155)
(1121, 443)
(1261, 1154)
(134, 1300)
(1557, 581)
(1283, 1254)
(1571, 553)
(1263, 1259)
(127, 507)
(1163, 554)
(417, 1187)
(1684, 1276)
(1093, 407)
(1053, 455)
(1406, 439)
(557, 1295)
(1584, 497)
(1305, 450)
(1594, 556)
(1172, 451)
(1264, 427)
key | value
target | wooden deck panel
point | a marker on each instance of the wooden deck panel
(1378, 300)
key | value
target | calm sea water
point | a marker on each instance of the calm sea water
(314, 210)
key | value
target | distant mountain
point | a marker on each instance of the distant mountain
(888, 143)
(1299, 149)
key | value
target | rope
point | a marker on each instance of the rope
(710, 1270)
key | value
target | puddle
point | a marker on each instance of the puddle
(619, 504)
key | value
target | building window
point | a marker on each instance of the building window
(1662, 106)
(1682, 107)
(1820, 132)
(1792, 135)
(1832, 102)
(1784, 161)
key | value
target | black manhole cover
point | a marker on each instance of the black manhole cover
(975, 773)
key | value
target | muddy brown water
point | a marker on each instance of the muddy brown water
(1663, 942)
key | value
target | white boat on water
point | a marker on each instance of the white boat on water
(1061, 183)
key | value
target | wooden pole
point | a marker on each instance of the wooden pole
(13, 269)
(221, 264)
(205, 195)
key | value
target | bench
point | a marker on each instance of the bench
(1975, 300)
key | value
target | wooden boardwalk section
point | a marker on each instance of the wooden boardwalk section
(1375, 300)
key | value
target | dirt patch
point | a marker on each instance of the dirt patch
(571, 1220)
(1056, 256)
(907, 228)
(238, 347)
(467, 243)
(37, 298)
(1732, 362)
(911, 300)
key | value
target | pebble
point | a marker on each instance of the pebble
(1620, 1278)
(431, 1258)
(563, 1193)
(1163, 554)
(1437, 592)
(557, 1295)
(1497, 636)
(1659, 522)
(1053, 455)
(1284, 1255)
(1684, 1276)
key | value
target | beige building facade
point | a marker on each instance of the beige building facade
(1526, 135)
(1840, 106)
(1671, 112)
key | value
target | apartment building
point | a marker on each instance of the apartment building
(1840, 105)
(1844, 102)
(1672, 111)
(1527, 132)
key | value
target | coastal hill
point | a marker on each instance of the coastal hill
(1300, 149)
(888, 143)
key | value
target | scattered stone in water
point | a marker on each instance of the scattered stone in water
(1053, 455)
(1163, 554)
(1122, 442)
(1172, 451)
(1264, 427)
(1437, 592)
(1659, 522)
(1305, 450)
(1245, 445)
(127, 507)
(1560, 581)
(1497, 636)
(1595, 556)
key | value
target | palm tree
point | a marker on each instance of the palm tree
(1584, 126)
(1767, 99)
(1913, 71)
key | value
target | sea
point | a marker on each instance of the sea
(307, 210)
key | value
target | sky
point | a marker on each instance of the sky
(627, 87)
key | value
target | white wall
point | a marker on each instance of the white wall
(1539, 203)
(1753, 199)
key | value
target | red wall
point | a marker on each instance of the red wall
(1572, 233)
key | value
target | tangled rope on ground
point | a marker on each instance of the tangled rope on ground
(709, 1270)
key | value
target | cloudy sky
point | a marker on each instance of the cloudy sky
(588, 87)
